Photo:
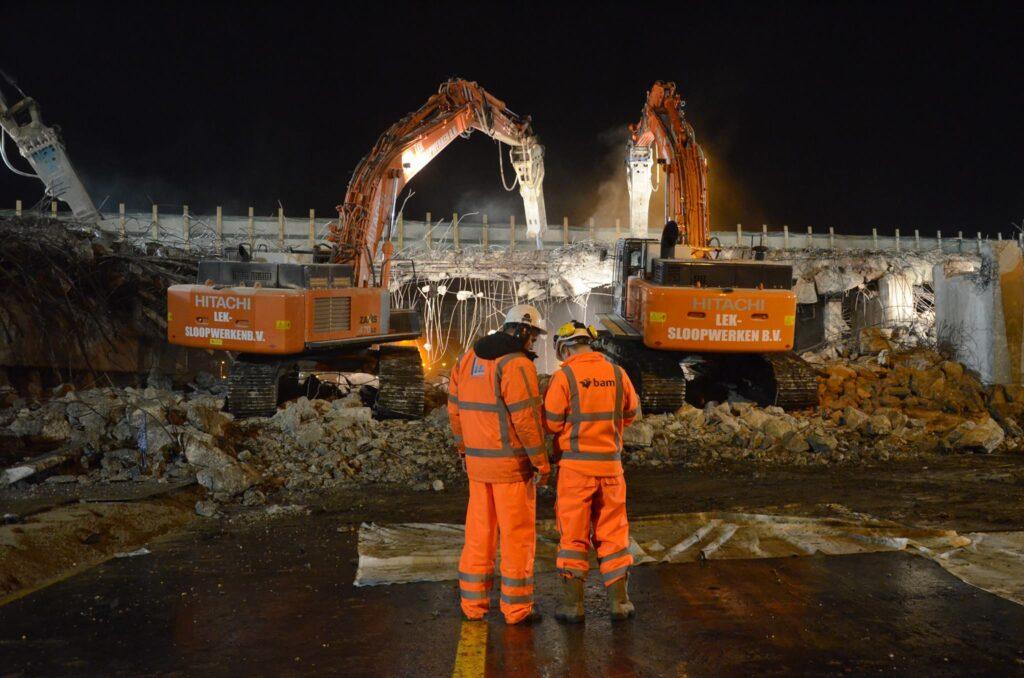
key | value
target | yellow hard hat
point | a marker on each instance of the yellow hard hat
(573, 332)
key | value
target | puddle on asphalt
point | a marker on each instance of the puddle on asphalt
(994, 561)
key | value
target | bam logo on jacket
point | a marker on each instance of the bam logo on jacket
(478, 369)
(588, 382)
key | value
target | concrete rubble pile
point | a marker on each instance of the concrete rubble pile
(885, 407)
(110, 435)
(310, 444)
(875, 408)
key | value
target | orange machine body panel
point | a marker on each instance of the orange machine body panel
(272, 321)
(710, 320)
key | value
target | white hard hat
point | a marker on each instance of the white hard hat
(524, 314)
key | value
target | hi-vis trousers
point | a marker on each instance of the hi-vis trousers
(505, 511)
(589, 505)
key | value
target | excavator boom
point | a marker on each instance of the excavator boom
(285, 315)
(732, 322)
(663, 136)
(458, 108)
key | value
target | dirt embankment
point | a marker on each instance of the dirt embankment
(58, 542)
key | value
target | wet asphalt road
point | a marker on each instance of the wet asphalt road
(277, 599)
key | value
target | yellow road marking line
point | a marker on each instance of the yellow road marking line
(471, 655)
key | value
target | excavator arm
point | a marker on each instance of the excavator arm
(664, 136)
(458, 108)
(41, 145)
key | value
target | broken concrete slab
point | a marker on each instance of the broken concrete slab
(44, 462)
(834, 280)
(984, 436)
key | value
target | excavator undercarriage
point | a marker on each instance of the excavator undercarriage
(667, 379)
(256, 384)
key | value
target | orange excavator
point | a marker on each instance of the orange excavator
(282, 313)
(687, 325)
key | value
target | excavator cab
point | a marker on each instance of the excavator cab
(730, 321)
(630, 261)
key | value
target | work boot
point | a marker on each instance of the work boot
(532, 618)
(618, 596)
(570, 610)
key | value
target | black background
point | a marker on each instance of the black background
(845, 115)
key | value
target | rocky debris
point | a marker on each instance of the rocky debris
(922, 399)
(311, 444)
(207, 508)
(821, 441)
(879, 425)
(206, 414)
(216, 470)
(131, 434)
(640, 434)
(916, 404)
(853, 419)
(984, 436)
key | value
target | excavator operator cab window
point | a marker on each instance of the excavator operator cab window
(630, 260)
(636, 259)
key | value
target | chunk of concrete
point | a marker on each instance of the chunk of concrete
(879, 425)
(821, 441)
(836, 280)
(984, 436)
(638, 434)
(217, 470)
(805, 292)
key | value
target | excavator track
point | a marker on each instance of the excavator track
(400, 373)
(254, 388)
(781, 379)
(796, 382)
(657, 377)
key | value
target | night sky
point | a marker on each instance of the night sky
(845, 115)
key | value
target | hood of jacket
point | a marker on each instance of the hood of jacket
(499, 344)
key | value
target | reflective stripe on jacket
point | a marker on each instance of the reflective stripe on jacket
(494, 408)
(589, 402)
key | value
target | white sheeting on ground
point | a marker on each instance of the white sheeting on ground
(993, 561)
(409, 552)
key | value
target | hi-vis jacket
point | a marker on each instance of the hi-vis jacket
(589, 402)
(494, 408)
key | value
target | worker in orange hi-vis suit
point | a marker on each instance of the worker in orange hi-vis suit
(589, 402)
(494, 407)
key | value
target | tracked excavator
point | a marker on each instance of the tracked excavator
(687, 326)
(288, 312)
